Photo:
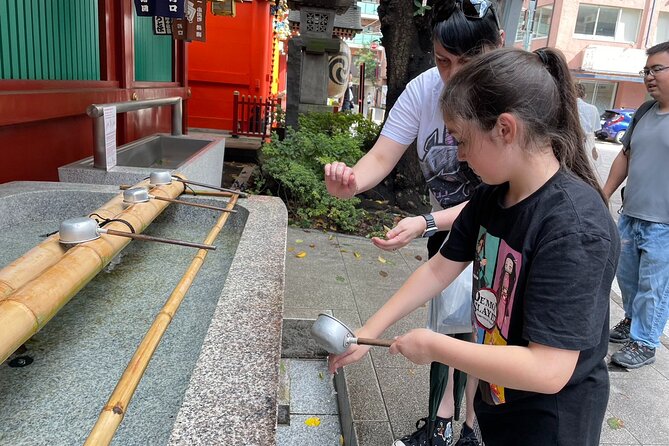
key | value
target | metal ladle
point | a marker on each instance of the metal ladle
(335, 337)
(84, 229)
(141, 195)
(161, 178)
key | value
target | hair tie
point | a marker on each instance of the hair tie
(542, 56)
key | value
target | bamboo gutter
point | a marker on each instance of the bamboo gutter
(25, 311)
(50, 251)
(113, 412)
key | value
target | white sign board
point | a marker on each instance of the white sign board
(109, 114)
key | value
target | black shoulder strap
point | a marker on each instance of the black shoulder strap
(627, 139)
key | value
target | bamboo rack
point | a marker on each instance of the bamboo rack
(46, 254)
(25, 311)
(113, 412)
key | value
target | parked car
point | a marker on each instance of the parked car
(614, 124)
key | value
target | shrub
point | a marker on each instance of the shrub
(293, 168)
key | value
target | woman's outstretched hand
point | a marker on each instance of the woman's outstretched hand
(353, 354)
(340, 180)
(406, 230)
(415, 345)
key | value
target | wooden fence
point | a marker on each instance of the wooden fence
(253, 115)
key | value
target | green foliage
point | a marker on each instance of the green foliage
(420, 9)
(293, 168)
(368, 56)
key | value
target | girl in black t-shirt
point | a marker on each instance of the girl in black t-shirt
(545, 250)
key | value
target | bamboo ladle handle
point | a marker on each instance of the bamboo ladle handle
(150, 238)
(375, 342)
(188, 203)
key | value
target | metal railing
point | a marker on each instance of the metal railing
(253, 115)
(96, 111)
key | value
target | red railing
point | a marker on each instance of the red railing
(253, 115)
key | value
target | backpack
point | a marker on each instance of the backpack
(627, 138)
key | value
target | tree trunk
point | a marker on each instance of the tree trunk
(407, 40)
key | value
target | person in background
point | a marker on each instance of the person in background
(643, 269)
(551, 246)
(460, 30)
(347, 103)
(590, 122)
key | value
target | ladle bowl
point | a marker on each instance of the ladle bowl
(83, 229)
(141, 195)
(160, 178)
(136, 195)
(335, 337)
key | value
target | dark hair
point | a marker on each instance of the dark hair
(580, 90)
(664, 46)
(464, 36)
(536, 88)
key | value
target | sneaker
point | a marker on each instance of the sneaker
(467, 437)
(418, 438)
(634, 355)
(441, 435)
(620, 334)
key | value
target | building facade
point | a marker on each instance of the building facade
(604, 41)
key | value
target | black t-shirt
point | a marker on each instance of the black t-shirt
(542, 273)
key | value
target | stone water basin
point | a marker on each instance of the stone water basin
(213, 378)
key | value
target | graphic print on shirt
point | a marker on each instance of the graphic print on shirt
(496, 268)
(451, 181)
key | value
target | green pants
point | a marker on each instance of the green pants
(439, 380)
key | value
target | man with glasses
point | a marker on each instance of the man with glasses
(643, 269)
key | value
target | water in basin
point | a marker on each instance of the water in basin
(82, 352)
(159, 151)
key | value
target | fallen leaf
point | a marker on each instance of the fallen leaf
(382, 260)
(378, 202)
(301, 254)
(341, 440)
(340, 279)
(320, 375)
(356, 255)
(298, 241)
(343, 250)
(313, 421)
(311, 245)
(330, 237)
(291, 249)
(383, 274)
(615, 423)
(386, 228)
(419, 258)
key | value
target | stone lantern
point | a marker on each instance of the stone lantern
(321, 24)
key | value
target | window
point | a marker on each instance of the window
(600, 94)
(662, 30)
(541, 23)
(621, 24)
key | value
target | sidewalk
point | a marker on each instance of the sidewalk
(351, 278)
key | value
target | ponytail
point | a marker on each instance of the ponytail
(537, 88)
(568, 142)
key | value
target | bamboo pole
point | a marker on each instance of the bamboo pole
(46, 254)
(113, 412)
(24, 312)
(189, 191)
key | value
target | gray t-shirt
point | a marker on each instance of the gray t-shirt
(647, 189)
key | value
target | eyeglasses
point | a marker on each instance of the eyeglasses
(476, 9)
(652, 71)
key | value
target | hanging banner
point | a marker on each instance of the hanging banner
(192, 26)
(162, 26)
(145, 8)
(164, 8)
(170, 8)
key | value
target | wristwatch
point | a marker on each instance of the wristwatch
(430, 225)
